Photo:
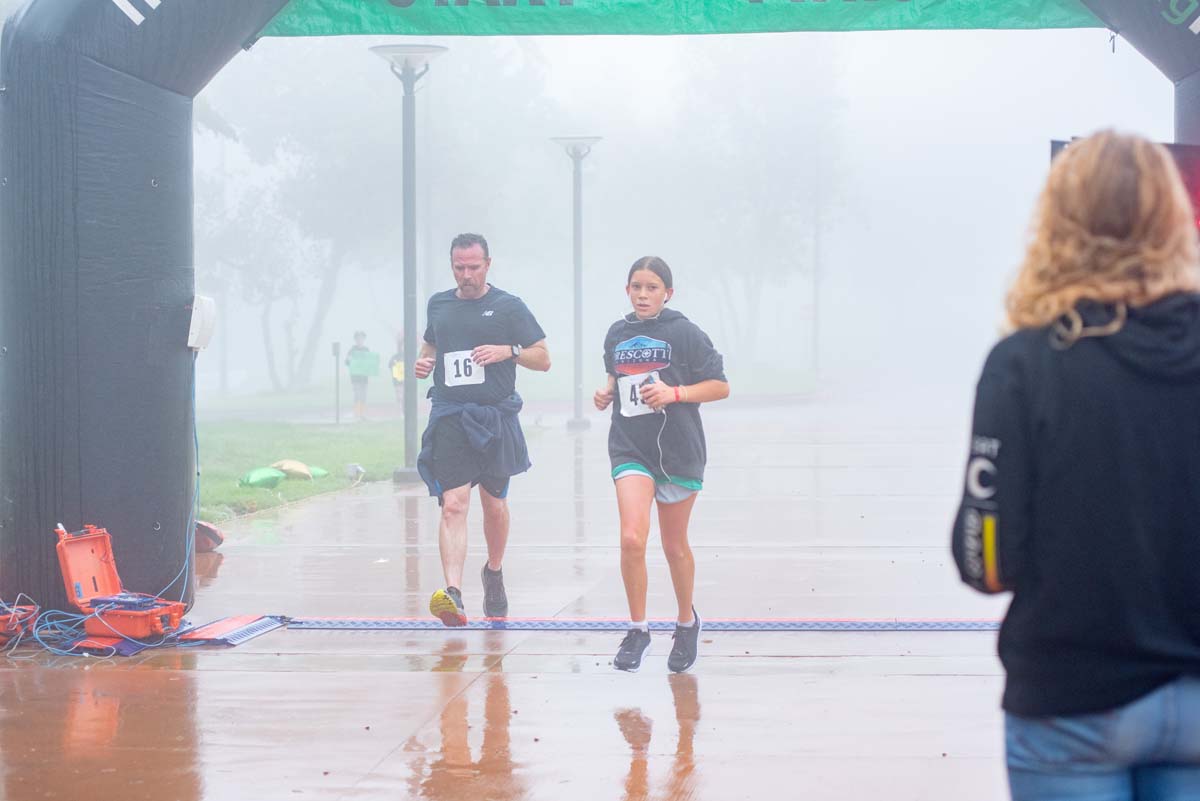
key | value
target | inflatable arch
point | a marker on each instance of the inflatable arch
(96, 264)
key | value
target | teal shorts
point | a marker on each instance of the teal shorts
(671, 489)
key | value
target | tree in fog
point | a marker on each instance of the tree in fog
(759, 164)
(250, 239)
(311, 198)
(719, 156)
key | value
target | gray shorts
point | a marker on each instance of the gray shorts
(664, 491)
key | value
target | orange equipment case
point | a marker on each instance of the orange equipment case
(90, 571)
(16, 621)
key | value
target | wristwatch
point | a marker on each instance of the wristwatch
(516, 351)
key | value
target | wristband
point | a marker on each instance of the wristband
(685, 400)
(677, 394)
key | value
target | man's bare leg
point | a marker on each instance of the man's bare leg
(495, 531)
(495, 527)
(452, 533)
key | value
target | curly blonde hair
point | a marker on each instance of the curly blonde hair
(1114, 225)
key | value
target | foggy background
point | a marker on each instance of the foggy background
(843, 212)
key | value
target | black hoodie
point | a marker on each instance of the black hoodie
(670, 346)
(1082, 496)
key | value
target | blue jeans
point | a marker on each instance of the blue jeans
(1147, 750)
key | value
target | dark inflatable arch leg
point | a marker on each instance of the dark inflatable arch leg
(96, 280)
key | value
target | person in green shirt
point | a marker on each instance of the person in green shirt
(358, 382)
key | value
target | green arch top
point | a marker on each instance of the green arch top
(533, 17)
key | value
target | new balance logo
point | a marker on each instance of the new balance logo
(133, 12)
(489, 313)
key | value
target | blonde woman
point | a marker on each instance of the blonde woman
(1082, 491)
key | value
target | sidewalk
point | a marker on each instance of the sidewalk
(807, 512)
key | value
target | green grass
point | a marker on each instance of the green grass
(315, 399)
(228, 450)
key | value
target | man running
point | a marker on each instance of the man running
(476, 336)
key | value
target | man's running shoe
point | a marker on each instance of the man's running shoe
(495, 599)
(633, 648)
(447, 605)
(683, 652)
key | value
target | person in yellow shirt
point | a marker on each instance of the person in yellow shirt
(396, 365)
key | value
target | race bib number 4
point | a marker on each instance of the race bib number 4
(629, 386)
(461, 370)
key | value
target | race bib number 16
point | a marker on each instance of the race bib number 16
(629, 386)
(461, 370)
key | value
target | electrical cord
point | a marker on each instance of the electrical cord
(194, 514)
(658, 441)
(59, 632)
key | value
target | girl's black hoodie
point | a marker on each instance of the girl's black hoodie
(669, 443)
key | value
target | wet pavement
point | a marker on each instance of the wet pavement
(809, 511)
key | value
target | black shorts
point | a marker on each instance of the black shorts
(456, 463)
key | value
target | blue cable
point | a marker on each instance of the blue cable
(194, 514)
(55, 630)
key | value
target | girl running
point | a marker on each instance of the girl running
(660, 367)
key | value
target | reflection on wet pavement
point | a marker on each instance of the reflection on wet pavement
(636, 728)
(208, 567)
(825, 517)
(117, 733)
(449, 770)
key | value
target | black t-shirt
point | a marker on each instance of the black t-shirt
(457, 326)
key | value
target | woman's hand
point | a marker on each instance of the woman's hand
(658, 395)
(603, 396)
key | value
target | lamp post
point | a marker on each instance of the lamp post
(578, 147)
(409, 63)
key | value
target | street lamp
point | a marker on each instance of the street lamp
(577, 147)
(409, 63)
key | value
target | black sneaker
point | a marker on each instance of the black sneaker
(495, 599)
(447, 605)
(683, 652)
(633, 648)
